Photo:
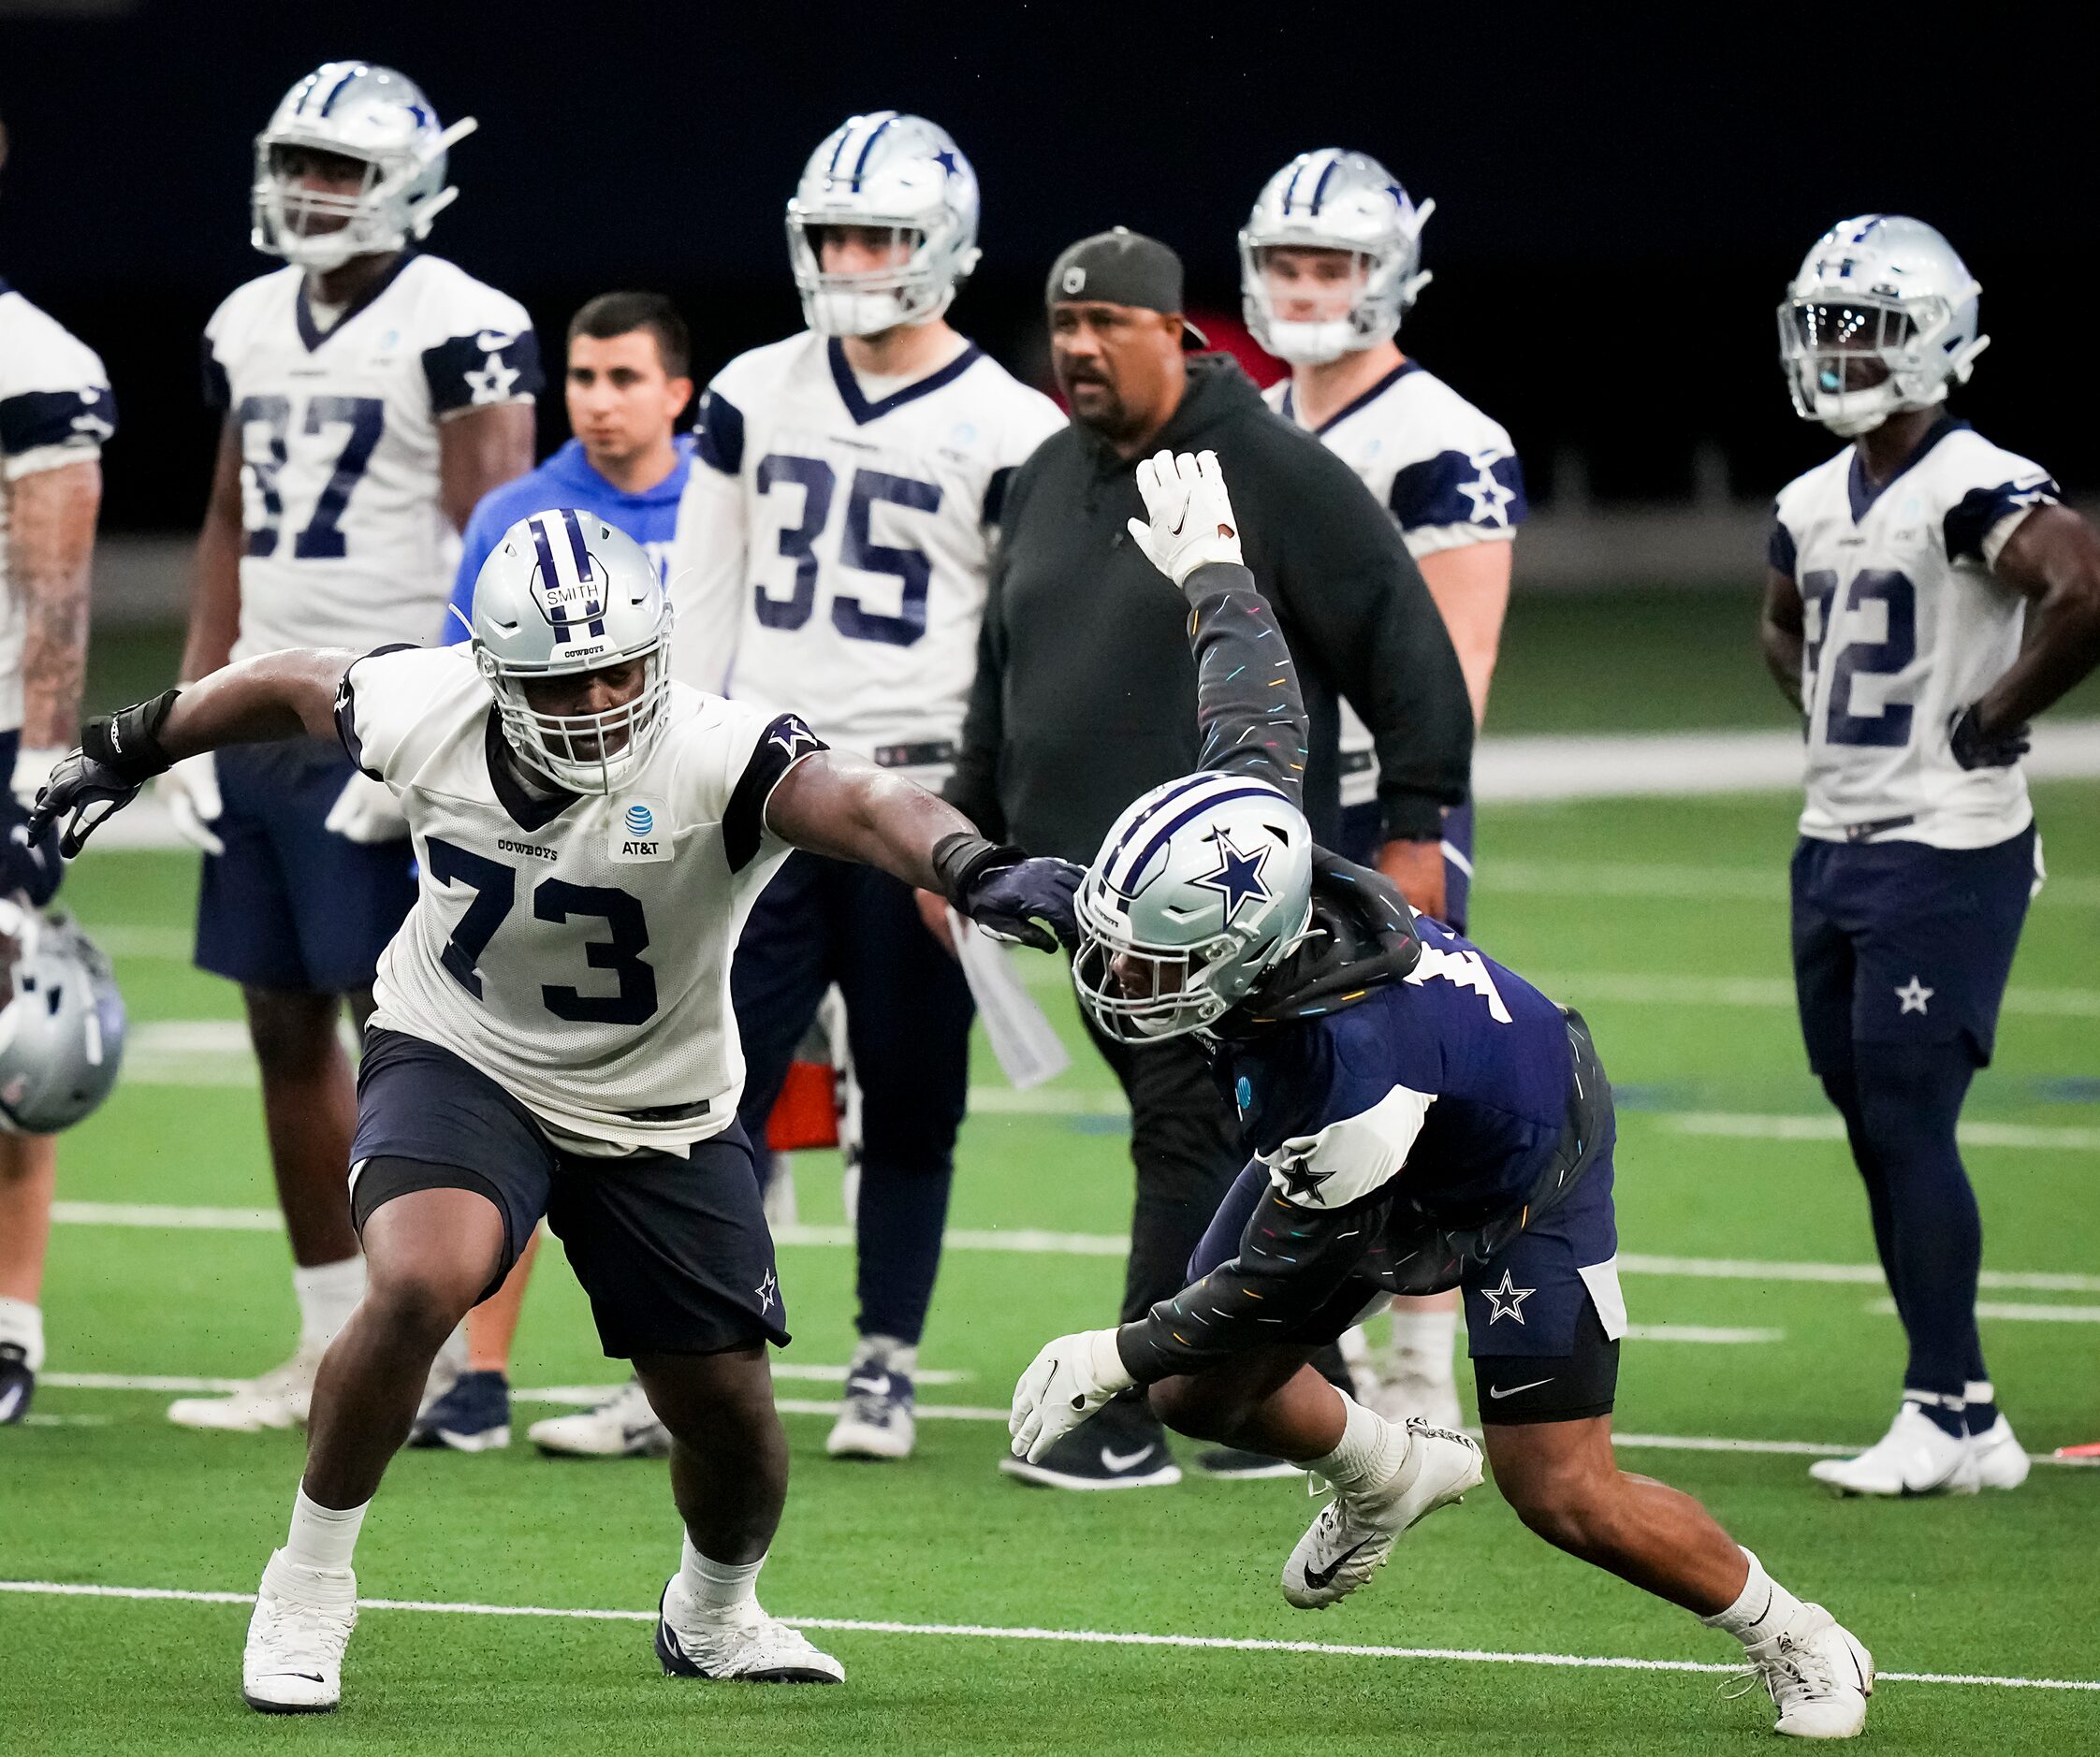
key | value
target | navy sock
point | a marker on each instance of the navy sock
(1909, 1096)
(1948, 1417)
(899, 1220)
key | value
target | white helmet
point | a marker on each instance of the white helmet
(62, 1022)
(564, 592)
(883, 169)
(1201, 888)
(1335, 201)
(1880, 298)
(362, 112)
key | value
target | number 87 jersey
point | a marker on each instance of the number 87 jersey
(347, 542)
(1904, 625)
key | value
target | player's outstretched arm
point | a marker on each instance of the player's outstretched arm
(2052, 558)
(274, 695)
(835, 804)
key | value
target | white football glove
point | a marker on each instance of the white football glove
(33, 768)
(366, 811)
(1066, 1382)
(190, 790)
(1192, 524)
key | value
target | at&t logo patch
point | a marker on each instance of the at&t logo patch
(640, 831)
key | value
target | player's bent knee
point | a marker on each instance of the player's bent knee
(1199, 1406)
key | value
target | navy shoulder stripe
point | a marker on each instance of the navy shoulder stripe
(1780, 550)
(491, 365)
(718, 435)
(346, 706)
(780, 746)
(86, 416)
(1972, 519)
(1455, 488)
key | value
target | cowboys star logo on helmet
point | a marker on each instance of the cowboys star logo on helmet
(1238, 877)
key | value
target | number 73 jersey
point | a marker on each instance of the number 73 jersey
(347, 541)
(574, 947)
(1904, 626)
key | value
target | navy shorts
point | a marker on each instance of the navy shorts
(1548, 1298)
(1362, 834)
(673, 1251)
(290, 905)
(1900, 943)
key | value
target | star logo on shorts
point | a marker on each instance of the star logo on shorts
(767, 1291)
(1913, 994)
(1506, 1300)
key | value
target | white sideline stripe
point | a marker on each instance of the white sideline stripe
(1696, 884)
(2013, 1313)
(1078, 1637)
(1641, 988)
(1029, 1240)
(1754, 1125)
(1699, 1333)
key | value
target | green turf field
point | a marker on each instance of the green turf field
(1665, 920)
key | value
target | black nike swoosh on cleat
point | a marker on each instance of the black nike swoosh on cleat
(1319, 1579)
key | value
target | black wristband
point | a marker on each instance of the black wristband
(962, 856)
(129, 741)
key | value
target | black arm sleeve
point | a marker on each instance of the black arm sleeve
(1291, 1261)
(972, 785)
(1369, 624)
(1249, 705)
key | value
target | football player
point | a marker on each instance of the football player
(55, 414)
(1421, 1117)
(552, 1038)
(1902, 571)
(374, 393)
(835, 541)
(1330, 263)
(627, 381)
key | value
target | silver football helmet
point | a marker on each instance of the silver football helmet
(362, 112)
(1881, 317)
(562, 593)
(1201, 887)
(1335, 201)
(884, 170)
(62, 1022)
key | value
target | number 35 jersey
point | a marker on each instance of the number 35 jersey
(347, 541)
(837, 535)
(574, 949)
(1904, 626)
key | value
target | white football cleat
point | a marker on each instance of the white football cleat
(276, 1399)
(1818, 1675)
(293, 1662)
(2001, 1461)
(623, 1426)
(1915, 1456)
(1353, 1536)
(877, 1421)
(745, 1645)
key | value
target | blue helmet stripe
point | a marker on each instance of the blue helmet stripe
(1165, 831)
(1179, 788)
(1297, 171)
(845, 134)
(328, 103)
(860, 164)
(1320, 189)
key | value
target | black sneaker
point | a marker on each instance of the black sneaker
(1122, 1448)
(1229, 1463)
(473, 1417)
(18, 1384)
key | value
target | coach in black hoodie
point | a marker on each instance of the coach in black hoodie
(1086, 693)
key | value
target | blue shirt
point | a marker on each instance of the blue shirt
(567, 479)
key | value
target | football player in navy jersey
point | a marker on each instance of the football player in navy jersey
(1420, 1118)
(1904, 571)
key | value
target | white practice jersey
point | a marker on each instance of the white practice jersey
(348, 544)
(1904, 627)
(55, 408)
(1448, 475)
(574, 949)
(835, 543)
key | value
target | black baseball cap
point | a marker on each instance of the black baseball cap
(1122, 267)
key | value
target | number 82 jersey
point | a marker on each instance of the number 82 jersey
(1904, 625)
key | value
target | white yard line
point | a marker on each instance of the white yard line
(1647, 989)
(1076, 1637)
(2009, 1313)
(1756, 1125)
(1697, 884)
(1699, 1333)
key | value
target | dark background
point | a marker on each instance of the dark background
(1621, 197)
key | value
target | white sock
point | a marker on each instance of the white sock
(323, 1537)
(1428, 1337)
(328, 1294)
(23, 1324)
(1761, 1609)
(895, 1356)
(1371, 1453)
(717, 1586)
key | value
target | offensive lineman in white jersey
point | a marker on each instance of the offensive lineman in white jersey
(834, 548)
(1330, 263)
(55, 414)
(1896, 611)
(553, 1038)
(373, 394)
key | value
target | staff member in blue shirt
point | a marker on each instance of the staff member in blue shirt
(629, 380)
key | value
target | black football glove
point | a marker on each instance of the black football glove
(1975, 749)
(119, 754)
(1012, 896)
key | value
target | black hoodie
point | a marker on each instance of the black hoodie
(1086, 692)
